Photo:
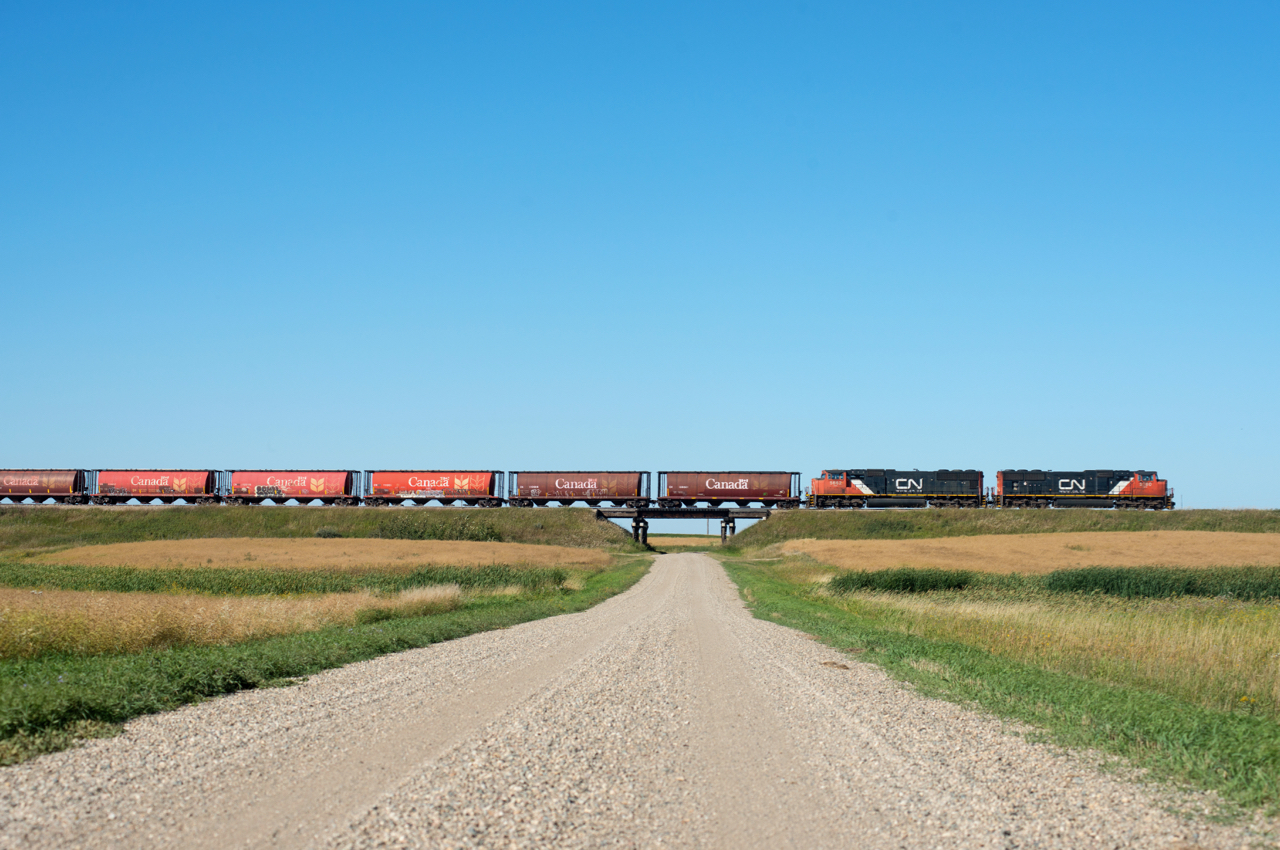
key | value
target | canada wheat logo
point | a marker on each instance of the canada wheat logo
(462, 483)
(179, 483)
(318, 485)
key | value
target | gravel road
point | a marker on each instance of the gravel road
(664, 717)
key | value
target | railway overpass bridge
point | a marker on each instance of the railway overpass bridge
(640, 518)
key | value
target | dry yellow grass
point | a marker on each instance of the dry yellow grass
(349, 554)
(675, 542)
(85, 623)
(1033, 554)
(1218, 653)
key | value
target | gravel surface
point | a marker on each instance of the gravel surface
(664, 717)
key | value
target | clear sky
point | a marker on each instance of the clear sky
(659, 236)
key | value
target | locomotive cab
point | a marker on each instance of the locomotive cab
(1148, 485)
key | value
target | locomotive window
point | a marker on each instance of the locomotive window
(1147, 476)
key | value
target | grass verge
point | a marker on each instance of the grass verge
(45, 703)
(1232, 753)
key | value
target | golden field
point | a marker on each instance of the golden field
(90, 622)
(677, 542)
(346, 554)
(1215, 652)
(1035, 554)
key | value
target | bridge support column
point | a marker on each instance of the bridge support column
(640, 530)
(724, 530)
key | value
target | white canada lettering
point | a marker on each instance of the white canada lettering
(911, 484)
(740, 484)
(162, 481)
(1070, 484)
(21, 482)
(566, 484)
(287, 482)
(430, 483)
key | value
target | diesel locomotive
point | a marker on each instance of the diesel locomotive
(1091, 488)
(897, 488)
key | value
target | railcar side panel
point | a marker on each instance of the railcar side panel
(20, 483)
(291, 484)
(153, 483)
(726, 486)
(434, 484)
(578, 485)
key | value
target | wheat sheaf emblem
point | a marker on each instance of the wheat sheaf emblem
(179, 483)
(317, 484)
(462, 483)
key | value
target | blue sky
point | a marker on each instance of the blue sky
(671, 236)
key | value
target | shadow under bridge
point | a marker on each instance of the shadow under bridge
(640, 518)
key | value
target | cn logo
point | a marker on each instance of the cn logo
(1068, 484)
(908, 483)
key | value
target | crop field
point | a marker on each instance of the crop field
(128, 597)
(1035, 554)
(46, 622)
(1216, 653)
(354, 554)
(682, 541)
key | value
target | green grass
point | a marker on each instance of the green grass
(956, 522)
(45, 703)
(1124, 582)
(1235, 754)
(257, 582)
(1163, 582)
(45, 528)
(903, 580)
(438, 525)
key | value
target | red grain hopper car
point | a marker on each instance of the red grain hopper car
(620, 489)
(770, 489)
(199, 486)
(397, 486)
(64, 486)
(331, 487)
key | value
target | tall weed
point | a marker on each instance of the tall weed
(903, 580)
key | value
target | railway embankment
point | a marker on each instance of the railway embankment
(958, 522)
(43, 528)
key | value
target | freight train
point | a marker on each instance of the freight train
(834, 488)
